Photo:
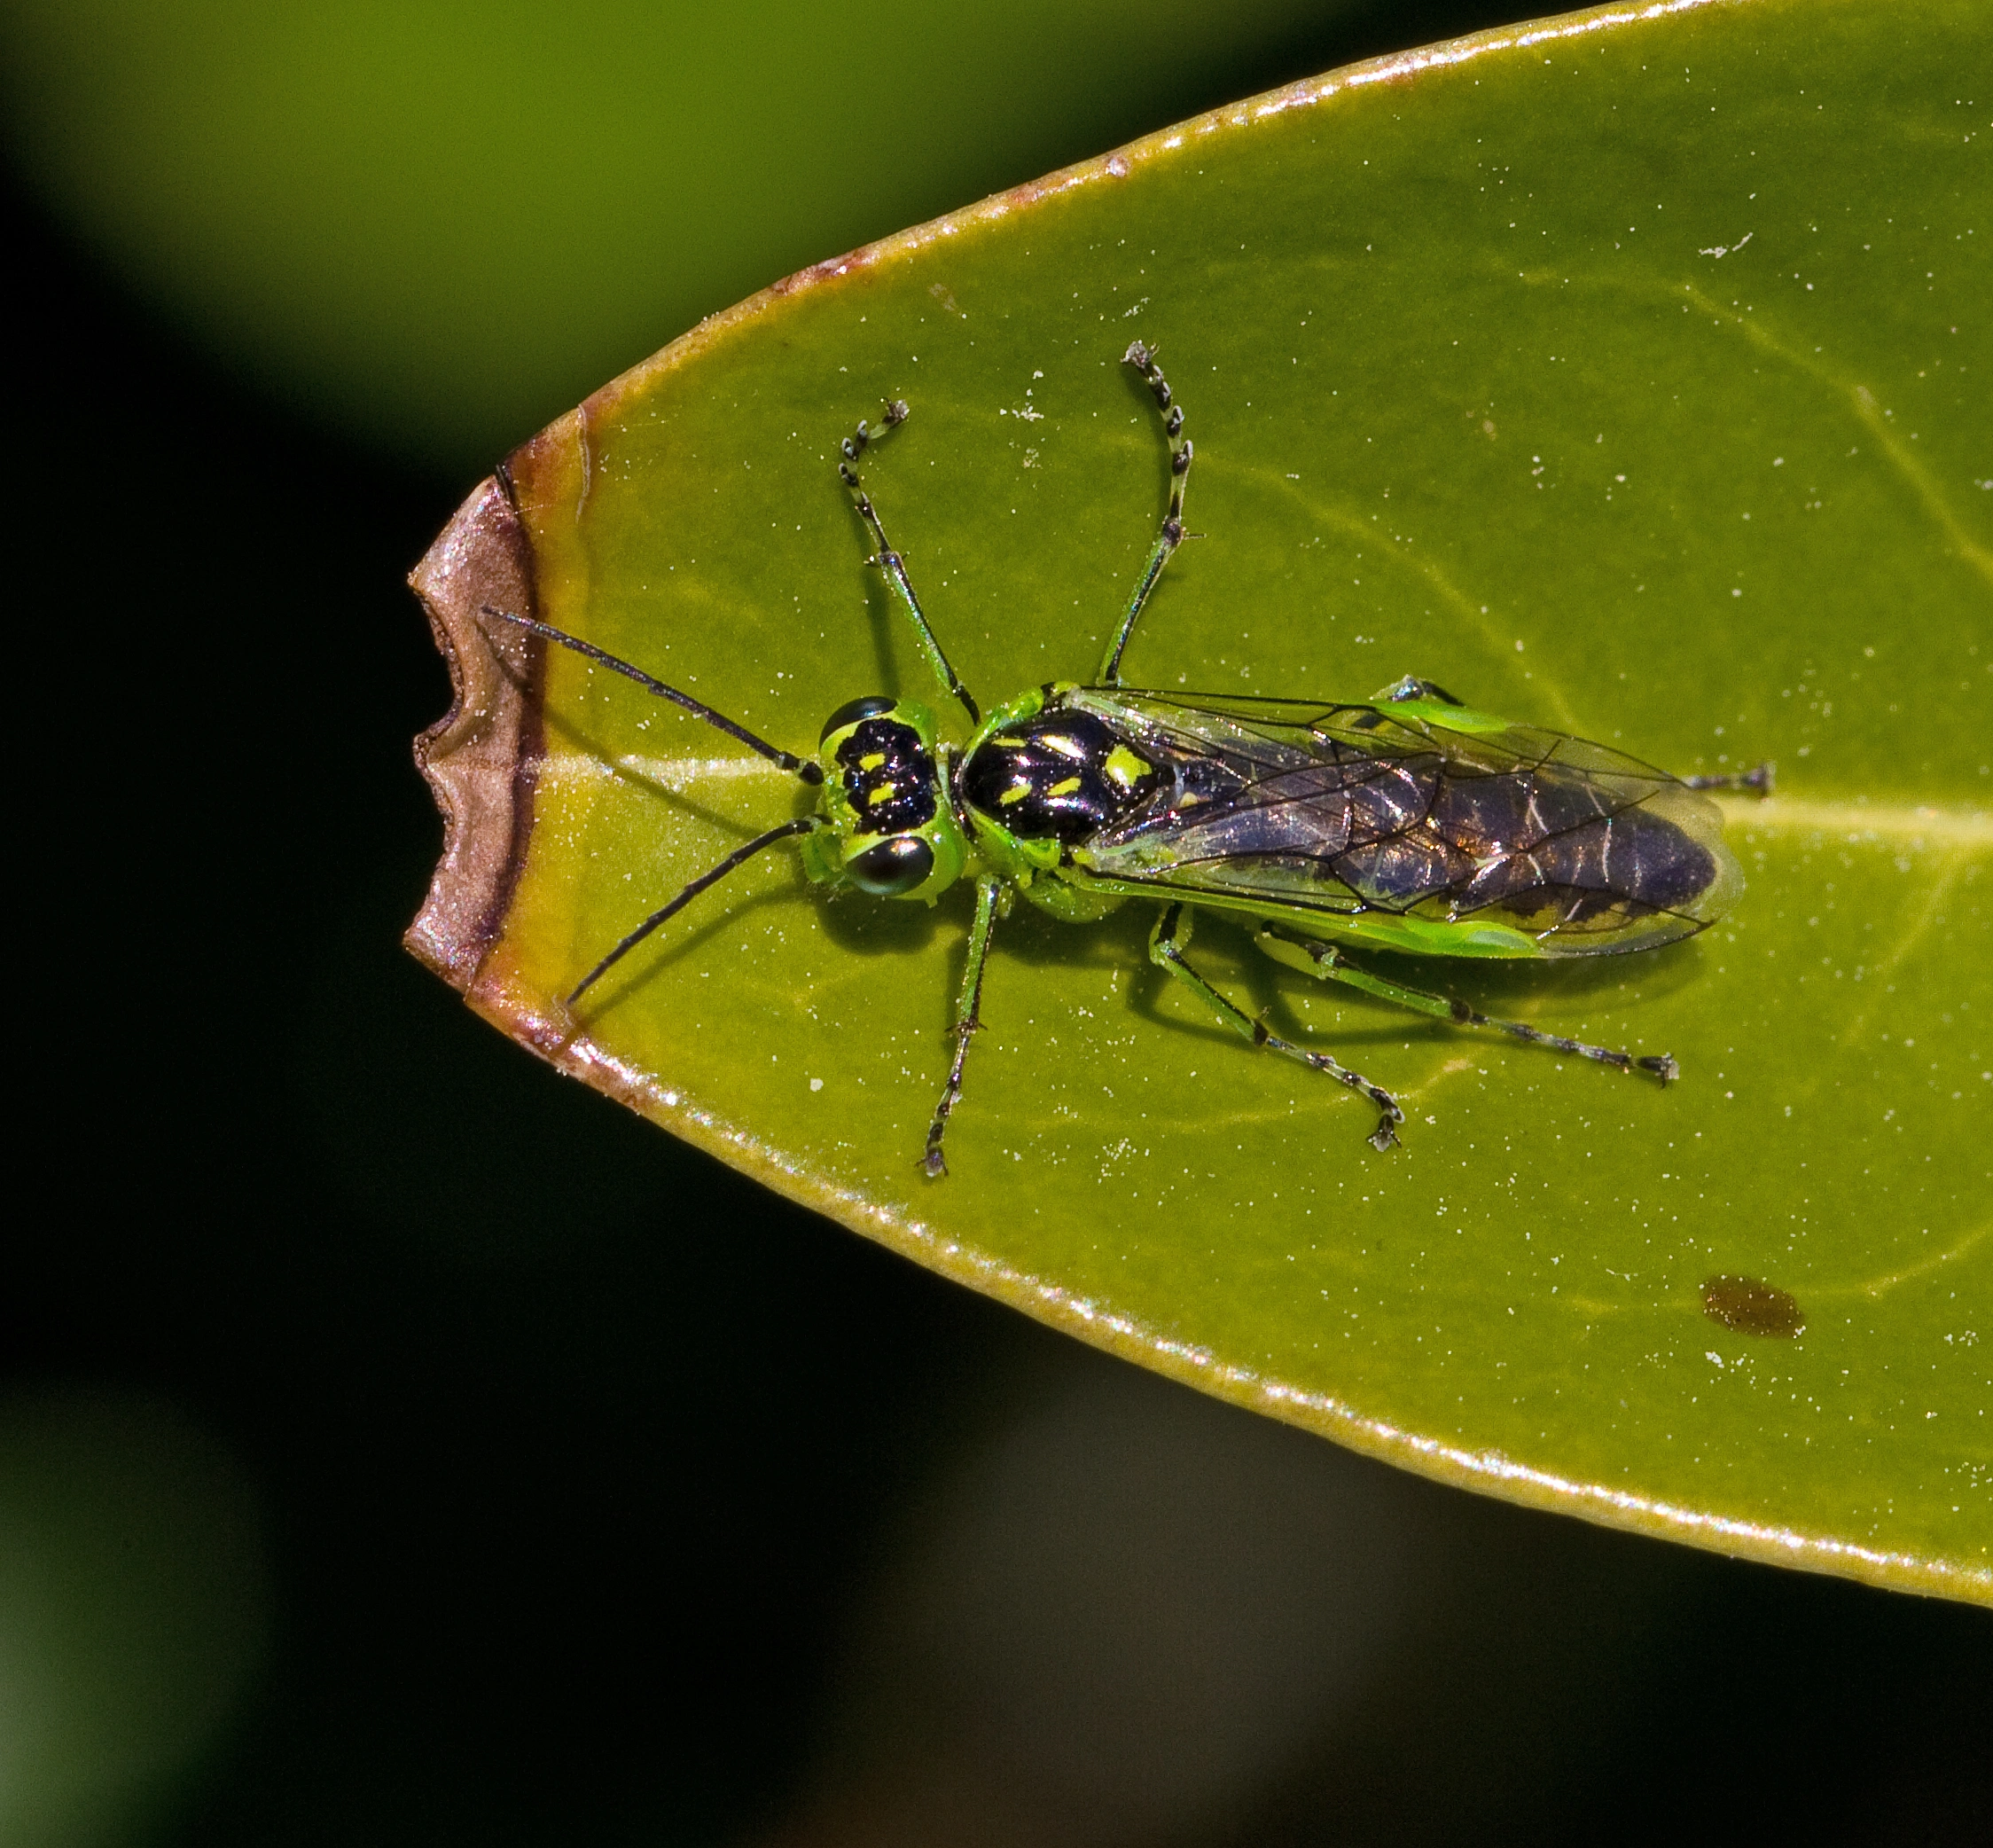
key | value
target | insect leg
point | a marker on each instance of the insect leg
(1327, 961)
(1166, 950)
(968, 1021)
(892, 563)
(1411, 687)
(1143, 360)
(1758, 781)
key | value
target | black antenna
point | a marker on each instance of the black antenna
(801, 767)
(804, 825)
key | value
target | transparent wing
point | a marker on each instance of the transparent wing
(1418, 809)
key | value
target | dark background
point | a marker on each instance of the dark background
(568, 1484)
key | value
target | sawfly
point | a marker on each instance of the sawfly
(1410, 822)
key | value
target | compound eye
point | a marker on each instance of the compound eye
(893, 867)
(850, 713)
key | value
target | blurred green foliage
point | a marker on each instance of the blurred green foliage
(133, 1606)
(438, 223)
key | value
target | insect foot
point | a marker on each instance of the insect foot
(1166, 942)
(1761, 782)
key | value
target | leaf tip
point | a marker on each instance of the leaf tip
(479, 758)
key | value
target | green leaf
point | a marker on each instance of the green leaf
(1623, 374)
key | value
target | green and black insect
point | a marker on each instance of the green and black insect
(1410, 822)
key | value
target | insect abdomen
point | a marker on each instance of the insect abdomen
(1568, 853)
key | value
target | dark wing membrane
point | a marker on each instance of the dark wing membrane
(1337, 810)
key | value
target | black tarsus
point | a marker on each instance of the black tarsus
(1171, 535)
(1331, 964)
(803, 825)
(1761, 781)
(1166, 950)
(1411, 687)
(800, 767)
(892, 563)
(968, 1024)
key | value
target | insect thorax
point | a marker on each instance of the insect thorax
(1058, 775)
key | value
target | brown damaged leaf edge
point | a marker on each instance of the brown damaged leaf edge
(481, 761)
(481, 757)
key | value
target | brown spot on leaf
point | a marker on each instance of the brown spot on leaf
(1749, 1305)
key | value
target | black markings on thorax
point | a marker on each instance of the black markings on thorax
(1062, 774)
